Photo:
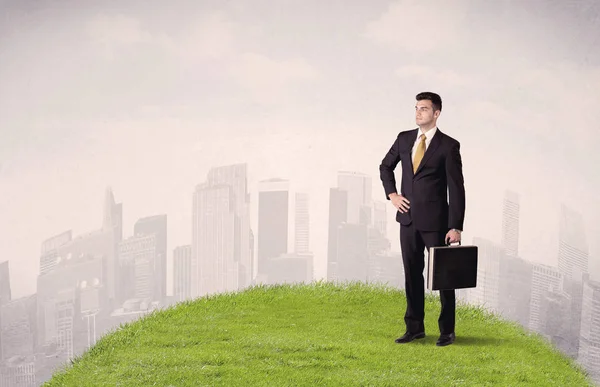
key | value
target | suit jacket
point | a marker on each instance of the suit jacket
(438, 178)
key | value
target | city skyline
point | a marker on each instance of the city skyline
(468, 235)
(501, 266)
(511, 209)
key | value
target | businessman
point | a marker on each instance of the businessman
(430, 208)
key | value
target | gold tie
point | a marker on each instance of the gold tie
(419, 153)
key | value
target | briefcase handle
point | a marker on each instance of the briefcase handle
(449, 244)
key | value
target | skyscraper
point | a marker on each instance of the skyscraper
(380, 217)
(182, 267)
(338, 212)
(589, 339)
(572, 248)
(156, 225)
(112, 226)
(236, 176)
(545, 279)
(359, 187)
(273, 218)
(221, 256)
(138, 267)
(214, 239)
(510, 224)
(487, 292)
(49, 254)
(5, 295)
(301, 229)
(113, 215)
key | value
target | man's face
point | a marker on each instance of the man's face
(424, 113)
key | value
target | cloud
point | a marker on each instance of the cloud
(418, 26)
(437, 77)
(212, 36)
(555, 97)
(212, 45)
(114, 32)
(537, 99)
(267, 78)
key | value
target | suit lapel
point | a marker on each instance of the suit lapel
(435, 143)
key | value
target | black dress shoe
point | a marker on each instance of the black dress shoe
(408, 337)
(446, 339)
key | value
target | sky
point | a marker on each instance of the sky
(146, 97)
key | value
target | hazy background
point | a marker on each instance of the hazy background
(146, 97)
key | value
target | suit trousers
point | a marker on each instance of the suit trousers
(413, 243)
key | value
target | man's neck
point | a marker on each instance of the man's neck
(426, 129)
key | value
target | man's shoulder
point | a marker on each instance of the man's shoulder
(409, 132)
(446, 138)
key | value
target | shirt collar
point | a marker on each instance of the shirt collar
(429, 133)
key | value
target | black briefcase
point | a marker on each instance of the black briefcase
(452, 267)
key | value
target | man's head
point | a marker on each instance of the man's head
(427, 109)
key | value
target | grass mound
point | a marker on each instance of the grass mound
(317, 334)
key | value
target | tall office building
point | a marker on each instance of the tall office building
(487, 292)
(18, 330)
(49, 254)
(359, 187)
(510, 224)
(301, 221)
(387, 268)
(156, 225)
(112, 226)
(572, 248)
(338, 212)
(236, 176)
(380, 217)
(515, 289)
(352, 252)
(545, 279)
(345, 239)
(182, 272)
(113, 214)
(214, 239)
(138, 267)
(273, 221)
(589, 339)
(221, 235)
(573, 265)
(74, 292)
(5, 295)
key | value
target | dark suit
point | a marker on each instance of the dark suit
(431, 215)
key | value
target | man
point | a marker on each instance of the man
(431, 174)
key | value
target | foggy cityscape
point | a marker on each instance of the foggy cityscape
(92, 282)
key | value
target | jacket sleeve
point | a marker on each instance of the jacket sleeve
(387, 166)
(456, 188)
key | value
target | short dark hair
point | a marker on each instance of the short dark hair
(435, 99)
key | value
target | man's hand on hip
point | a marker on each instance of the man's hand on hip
(400, 202)
(452, 236)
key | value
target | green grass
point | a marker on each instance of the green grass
(317, 334)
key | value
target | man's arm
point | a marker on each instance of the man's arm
(386, 169)
(456, 188)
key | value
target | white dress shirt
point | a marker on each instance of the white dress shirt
(429, 136)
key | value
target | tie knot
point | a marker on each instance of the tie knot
(423, 138)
